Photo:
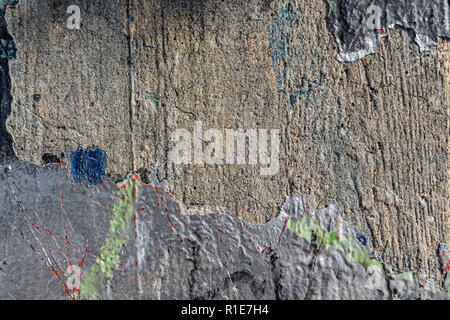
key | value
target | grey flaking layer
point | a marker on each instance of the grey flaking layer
(353, 24)
(208, 255)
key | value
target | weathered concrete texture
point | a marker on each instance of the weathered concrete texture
(171, 252)
(371, 136)
(360, 24)
(81, 93)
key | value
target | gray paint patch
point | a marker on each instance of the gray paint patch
(175, 252)
(357, 33)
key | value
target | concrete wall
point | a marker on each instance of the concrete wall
(362, 114)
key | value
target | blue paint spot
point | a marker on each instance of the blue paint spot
(362, 239)
(293, 98)
(88, 166)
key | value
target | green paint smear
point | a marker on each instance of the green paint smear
(330, 3)
(409, 274)
(93, 286)
(309, 229)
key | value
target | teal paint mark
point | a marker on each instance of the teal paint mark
(7, 46)
(284, 25)
(155, 101)
(287, 55)
(8, 3)
(8, 50)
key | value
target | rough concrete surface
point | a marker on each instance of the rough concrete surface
(363, 122)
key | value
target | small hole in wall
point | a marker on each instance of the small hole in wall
(48, 158)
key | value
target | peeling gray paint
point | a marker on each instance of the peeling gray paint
(177, 252)
(353, 25)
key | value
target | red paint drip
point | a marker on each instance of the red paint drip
(84, 255)
(284, 228)
(66, 290)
